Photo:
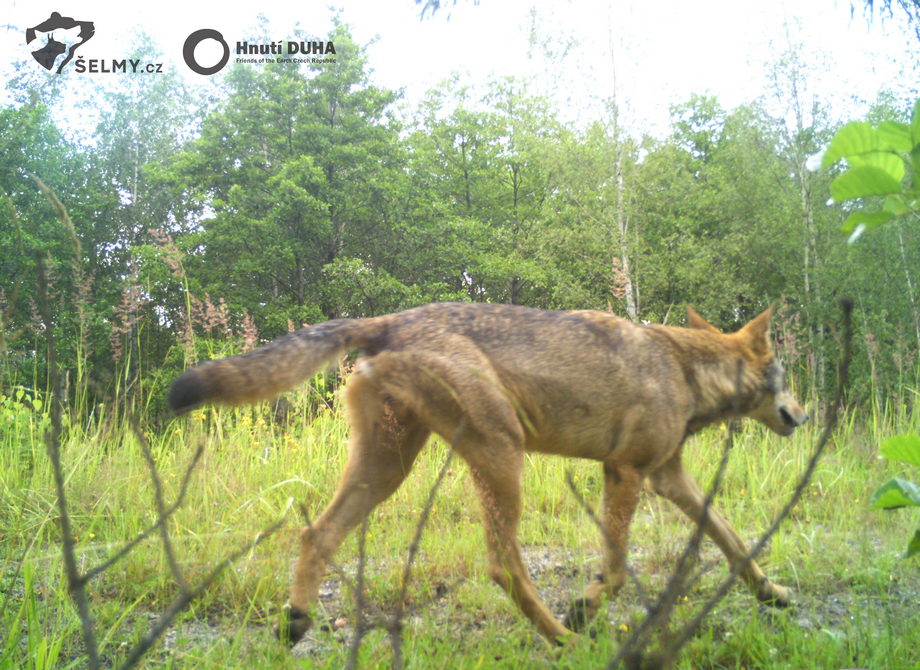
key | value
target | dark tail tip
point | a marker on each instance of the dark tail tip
(186, 393)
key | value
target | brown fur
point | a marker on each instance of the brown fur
(500, 380)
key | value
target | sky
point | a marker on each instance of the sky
(651, 53)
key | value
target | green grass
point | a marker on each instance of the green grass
(856, 598)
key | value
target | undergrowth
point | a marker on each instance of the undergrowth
(855, 597)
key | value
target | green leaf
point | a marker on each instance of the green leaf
(896, 493)
(915, 124)
(913, 548)
(856, 137)
(864, 221)
(884, 160)
(902, 448)
(862, 181)
(915, 159)
(894, 136)
(896, 205)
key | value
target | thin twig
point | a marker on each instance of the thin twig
(182, 601)
(144, 534)
(328, 558)
(570, 480)
(361, 626)
(395, 625)
(162, 516)
(75, 585)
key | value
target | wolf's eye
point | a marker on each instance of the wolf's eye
(776, 377)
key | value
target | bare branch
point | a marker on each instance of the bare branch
(162, 516)
(643, 593)
(143, 535)
(329, 560)
(187, 596)
(362, 627)
(75, 585)
(395, 624)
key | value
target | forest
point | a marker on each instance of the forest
(193, 223)
(298, 195)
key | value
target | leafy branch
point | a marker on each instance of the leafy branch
(881, 161)
(897, 492)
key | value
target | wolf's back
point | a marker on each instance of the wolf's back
(265, 372)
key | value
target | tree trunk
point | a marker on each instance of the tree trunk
(632, 310)
(811, 282)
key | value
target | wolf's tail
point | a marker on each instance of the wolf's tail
(265, 372)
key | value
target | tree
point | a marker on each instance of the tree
(290, 179)
(885, 9)
(32, 147)
(485, 161)
(804, 129)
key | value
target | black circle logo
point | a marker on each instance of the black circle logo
(192, 41)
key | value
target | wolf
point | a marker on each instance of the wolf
(497, 381)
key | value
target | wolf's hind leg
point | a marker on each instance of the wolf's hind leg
(461, 398)
(496, 469)
(382, 448)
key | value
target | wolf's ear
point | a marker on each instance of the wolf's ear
(694, 320)
(757, 331)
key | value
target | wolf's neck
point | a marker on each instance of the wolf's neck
(721, 383)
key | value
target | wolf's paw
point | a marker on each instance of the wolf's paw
(773, 594)
(580, 615)
(294, 623)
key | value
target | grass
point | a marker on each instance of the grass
(856, 598)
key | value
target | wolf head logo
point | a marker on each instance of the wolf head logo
(54, 40)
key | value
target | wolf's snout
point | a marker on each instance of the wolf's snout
(793, 415)
(786, 417)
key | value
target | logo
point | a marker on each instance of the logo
(193, 40)
(313, 52)
(56, 37)
(55, 40)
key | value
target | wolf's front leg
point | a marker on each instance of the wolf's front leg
(673, 482)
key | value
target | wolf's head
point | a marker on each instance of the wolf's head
(766, 397)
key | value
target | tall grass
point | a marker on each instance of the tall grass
(857, 598)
